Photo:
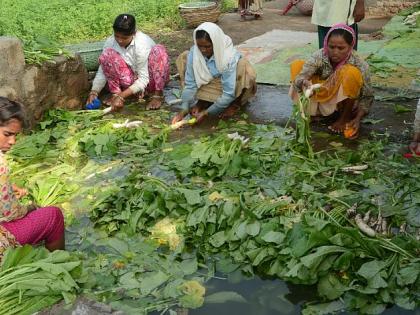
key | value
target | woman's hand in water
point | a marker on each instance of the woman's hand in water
(200, 116)
(178, 117)
(92, 95)
(117, 102)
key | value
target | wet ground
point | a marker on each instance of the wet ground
(273, 105)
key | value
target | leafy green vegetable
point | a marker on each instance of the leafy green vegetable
(401, 109)
(32, 279)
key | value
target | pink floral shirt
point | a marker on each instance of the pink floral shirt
(10, 209)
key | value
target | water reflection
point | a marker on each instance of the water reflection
(264, 297)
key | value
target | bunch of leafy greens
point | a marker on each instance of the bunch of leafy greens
(130, 274)
(32, 279)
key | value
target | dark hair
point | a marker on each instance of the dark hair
(343, 33)
(125, 24)
(202, 34)
(11, 110)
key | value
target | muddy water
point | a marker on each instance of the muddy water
(266, 297)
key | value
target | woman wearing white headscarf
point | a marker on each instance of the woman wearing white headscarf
(215, 73)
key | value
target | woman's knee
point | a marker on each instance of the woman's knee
(106, 55)
(295, 68)
(352, 73)
(54, 214)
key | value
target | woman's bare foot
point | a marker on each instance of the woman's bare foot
(230, 111)
(338, 126)
(156, 100)
(352, 129)
(415, 144)
(195, 110)
(415, 147)
(345, 115)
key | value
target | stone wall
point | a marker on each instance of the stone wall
(388, 7)
(59, 84)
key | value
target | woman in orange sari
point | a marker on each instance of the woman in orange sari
(344, 78)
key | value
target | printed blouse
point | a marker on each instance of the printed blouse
(10, 208)
(319, 64)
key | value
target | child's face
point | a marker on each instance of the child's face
(337, 48)
(8, 134)
(122, 39)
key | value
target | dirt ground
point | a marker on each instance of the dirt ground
(178, 41)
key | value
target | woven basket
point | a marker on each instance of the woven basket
(89, 52)
(195, 13)
(305, 6)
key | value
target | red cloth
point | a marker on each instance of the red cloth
(43, 224)
(120, 76)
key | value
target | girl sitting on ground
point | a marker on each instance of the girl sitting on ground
(132, 64)
(19, 226)
(215, 73)
(344, 78)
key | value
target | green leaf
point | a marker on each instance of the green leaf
(404, 302)
(151, 281)
(314, 259)
(413, 216)
(331, 287)
(377, 282)
(198, 216)
(224, 297)
(398, 109)
(318, 224)
(324, 308)
(192, 196)
(370, 269)
(240, 231)
(189, 266)
(119, 245)
(273, 237)
(373, 308)
(218, 239)
(253, 228)
(340, 193)
(409, 274)
(128, 281)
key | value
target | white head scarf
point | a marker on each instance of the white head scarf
(223, 52)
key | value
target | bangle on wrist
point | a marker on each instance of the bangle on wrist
(119, 97)
(93, 93)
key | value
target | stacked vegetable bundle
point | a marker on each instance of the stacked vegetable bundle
(33, 279)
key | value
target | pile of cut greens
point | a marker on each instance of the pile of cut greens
(261, 206)
(33, 279)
